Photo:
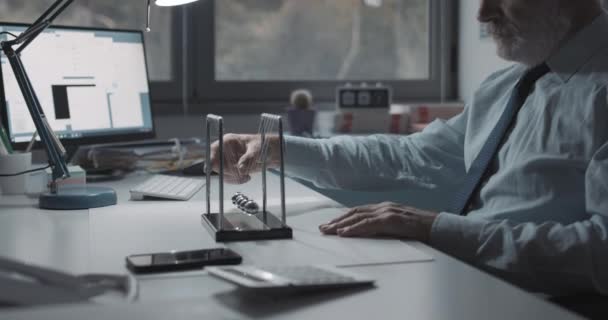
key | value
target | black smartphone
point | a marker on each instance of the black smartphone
(181, 260)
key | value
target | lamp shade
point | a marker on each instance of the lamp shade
(171, 3)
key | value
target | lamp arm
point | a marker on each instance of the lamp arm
(53, 150)
(30, 32)
(45, 20)
(52, 12)
(52, 145)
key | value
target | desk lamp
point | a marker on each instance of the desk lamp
(58, 197)
(165, 3)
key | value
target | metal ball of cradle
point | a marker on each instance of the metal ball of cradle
(245, 204)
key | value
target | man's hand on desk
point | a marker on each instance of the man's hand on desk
(242, 155)
(384, 219)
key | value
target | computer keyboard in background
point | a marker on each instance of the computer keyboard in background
(167, 187)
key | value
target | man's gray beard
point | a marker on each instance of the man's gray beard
(546, 36)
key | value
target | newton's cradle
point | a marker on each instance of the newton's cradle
(252, 222)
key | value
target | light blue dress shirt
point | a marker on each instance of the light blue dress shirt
(541, 221)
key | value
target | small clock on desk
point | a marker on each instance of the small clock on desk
(364, 97)
(365, 109)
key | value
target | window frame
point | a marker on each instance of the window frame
(179, 87)
(205, 90)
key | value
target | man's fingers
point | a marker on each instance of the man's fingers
(347, 222)
(215, 164)
(361, 209)
(246, 163)
(367, 227)
(349, 213)
(238, 179)
(232, 152)
(239, 159)
(342, 217)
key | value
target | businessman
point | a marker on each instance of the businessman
(522, 173)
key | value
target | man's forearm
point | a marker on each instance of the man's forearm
(351, 163)
(550, 257)
(431, 161)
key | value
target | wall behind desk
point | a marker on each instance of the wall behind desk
(193, 126)
(478, 57)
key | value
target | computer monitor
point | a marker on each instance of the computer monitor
(92, 85)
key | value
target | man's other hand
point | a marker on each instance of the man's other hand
(383, 220)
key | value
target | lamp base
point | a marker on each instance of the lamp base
(78, 198)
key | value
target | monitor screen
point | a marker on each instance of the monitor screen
(92, 85)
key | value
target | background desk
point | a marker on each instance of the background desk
(97, 240)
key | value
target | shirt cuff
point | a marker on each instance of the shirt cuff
(456, 235)
(302, 156)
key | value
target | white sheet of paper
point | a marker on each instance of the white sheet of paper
(354, 251)
(286, 253)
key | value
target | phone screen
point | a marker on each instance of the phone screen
(168, 261)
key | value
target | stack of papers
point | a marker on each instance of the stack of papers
(309, 246)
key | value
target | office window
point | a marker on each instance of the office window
(263, 49)
(114, 14)
(294, 40)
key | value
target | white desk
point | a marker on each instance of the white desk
(98, 240)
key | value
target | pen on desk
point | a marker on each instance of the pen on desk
(31, 144)
(5, 140)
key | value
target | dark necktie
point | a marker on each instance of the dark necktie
(481, 164)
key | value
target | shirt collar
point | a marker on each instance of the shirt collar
(569, 59)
